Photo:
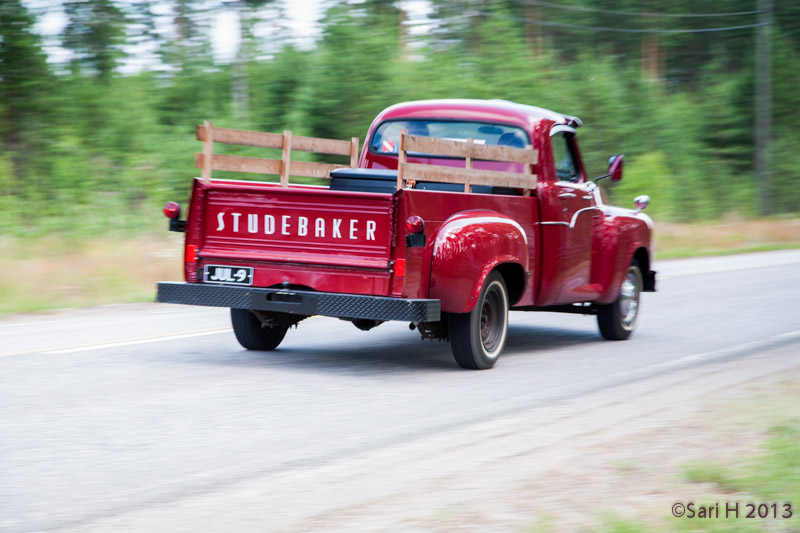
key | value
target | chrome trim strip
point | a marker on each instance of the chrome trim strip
(571, 224)
(578, 212)
(558, 128)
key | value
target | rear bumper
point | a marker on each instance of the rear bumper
(306, 303)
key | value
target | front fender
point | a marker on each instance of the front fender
(625, 234)
(467, 247)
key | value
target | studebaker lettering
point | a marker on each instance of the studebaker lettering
(297, 226)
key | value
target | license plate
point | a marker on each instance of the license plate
(228, 274)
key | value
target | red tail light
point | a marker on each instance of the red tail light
(415, 224)
(172, 210)
(400, 268)
(191, 253)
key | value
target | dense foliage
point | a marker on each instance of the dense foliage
(85, 147)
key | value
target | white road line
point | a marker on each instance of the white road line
(135, 342)
(718, 270)
(679, 268)
(126, 342)
(141, 315)
(724, 353)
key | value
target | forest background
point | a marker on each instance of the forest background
(86, 148)
(89, 146)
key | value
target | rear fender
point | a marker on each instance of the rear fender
(467, 247)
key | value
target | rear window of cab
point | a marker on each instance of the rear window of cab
(386, 138)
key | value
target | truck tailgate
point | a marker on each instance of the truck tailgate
(305, 226)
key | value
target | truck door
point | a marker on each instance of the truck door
(567, 220)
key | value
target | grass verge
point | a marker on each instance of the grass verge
(52, 272)
(674, 241)
(771, 476)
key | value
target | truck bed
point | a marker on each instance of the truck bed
(294, 235)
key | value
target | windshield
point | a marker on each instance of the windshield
(387, 136)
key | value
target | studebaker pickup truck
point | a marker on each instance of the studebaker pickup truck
(456, 212)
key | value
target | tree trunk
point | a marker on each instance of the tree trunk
(239, 87)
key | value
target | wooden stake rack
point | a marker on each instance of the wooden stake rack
(413, 172)
(283, 167)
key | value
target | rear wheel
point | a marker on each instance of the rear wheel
(252, 335)
(617, 320)
(478, 337)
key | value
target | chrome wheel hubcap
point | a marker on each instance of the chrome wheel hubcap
(629, 299)
(492, 320)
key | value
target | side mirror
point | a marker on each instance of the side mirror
(615, 167)
(641, 202)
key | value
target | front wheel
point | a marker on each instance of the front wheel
(617, 320)
(252, 335)
(478, 337)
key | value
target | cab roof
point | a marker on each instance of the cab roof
(503, 111)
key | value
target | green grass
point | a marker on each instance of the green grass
(617, 525)
(776, 474)
(685, 253)
(725, 237)
(705, 472)
(770, 477)
(773, 476)
(56, 273)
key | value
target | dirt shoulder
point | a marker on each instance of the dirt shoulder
(617, 454)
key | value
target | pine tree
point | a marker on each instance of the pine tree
(24, 78)
(95, 33)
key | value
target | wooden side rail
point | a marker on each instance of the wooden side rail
(208, 161)
(470, 151)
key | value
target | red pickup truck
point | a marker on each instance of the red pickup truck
(456, 212)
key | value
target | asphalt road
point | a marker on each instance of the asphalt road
(111, 410)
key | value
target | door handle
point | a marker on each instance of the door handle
(566, 195)
(587, 197)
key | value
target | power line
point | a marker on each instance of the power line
(617, 30)
(639, 14)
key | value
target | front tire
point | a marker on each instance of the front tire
(617, 320)
(478, 337)
(250, 333)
